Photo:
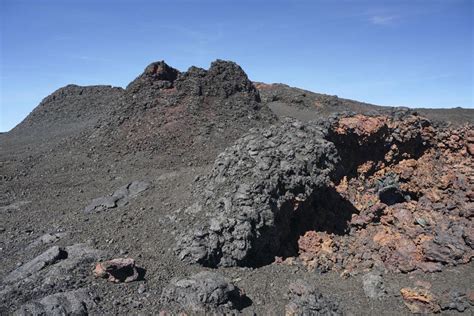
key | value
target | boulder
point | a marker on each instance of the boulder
(119, 198)
(373, 285)
(49, 257)
(420, 300)
(68, 303)
(305, 299)
(202, 292)
(117, 270)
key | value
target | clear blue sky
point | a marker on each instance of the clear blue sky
(412, 53)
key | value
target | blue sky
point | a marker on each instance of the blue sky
(411, 53)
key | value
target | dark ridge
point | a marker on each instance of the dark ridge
(72, 104)
(306, 105)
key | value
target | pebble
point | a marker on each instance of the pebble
(141, 288)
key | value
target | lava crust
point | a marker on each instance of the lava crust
(352, 192)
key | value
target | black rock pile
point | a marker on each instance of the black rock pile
(256, 195)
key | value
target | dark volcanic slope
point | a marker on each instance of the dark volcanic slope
(70, 109)
(306, 105)
(96, 173)
(65, 114)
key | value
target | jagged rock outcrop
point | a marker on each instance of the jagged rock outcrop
(330, 191)
(67, 303)
(176, 113)
(46, 276)
(424, 223)
(256, 191)
(156, 75)
(223, 79)
(47, 258)
(119, 198)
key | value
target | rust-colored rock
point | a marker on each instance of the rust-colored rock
(470, 148)
(361, 125)
(117, 270)
(423, 219)
(420, 301)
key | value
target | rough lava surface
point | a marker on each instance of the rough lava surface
(200, 191)
(352, 192)
(177, 113)
(253, 193)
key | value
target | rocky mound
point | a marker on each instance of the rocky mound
(72, 106)
(252, 193)
(192, 115)
(413, 200)
(55, 275)
(175, 113)
(353, 192)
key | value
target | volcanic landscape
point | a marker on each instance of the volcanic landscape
(202, 192)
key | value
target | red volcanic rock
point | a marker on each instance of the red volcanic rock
(470, 148)
(361, 125)
(393, 197)
(420, 301)
(117, 270)
(427, 226)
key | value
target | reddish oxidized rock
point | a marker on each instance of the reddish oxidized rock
(117, 270)
(426, 225)
(470, 148)
(361, 125)
(420, 301)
